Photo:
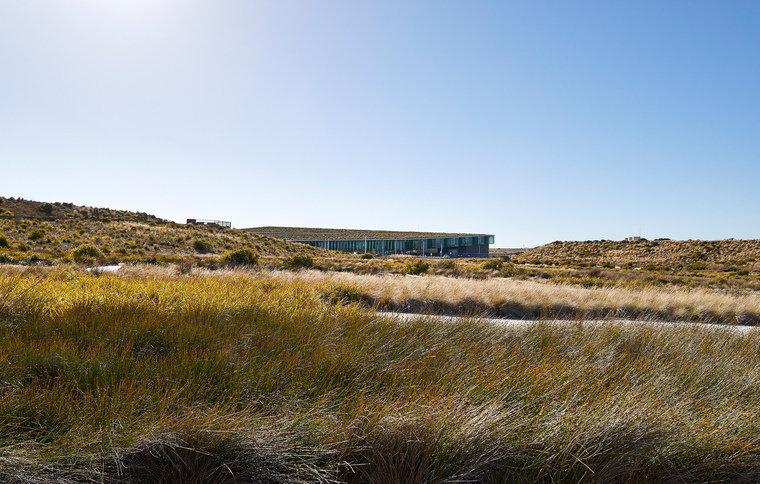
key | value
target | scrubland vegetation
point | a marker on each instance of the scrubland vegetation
(32, 234)
(662, 255)
(155, 375)
(213, 355)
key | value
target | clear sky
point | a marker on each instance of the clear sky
(534, 120)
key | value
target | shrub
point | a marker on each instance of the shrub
(22, 247)
(86, 251)
(4, 212)
(367, 256)
(447, 264)
(241, 258)
(46, 208)
(105, 220)
(4, 244)
(510, 270)
(298, 261)
(202, 246)
(417, 267)
(492, 265)
(36, 234)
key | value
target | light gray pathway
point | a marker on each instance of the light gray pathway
(523, 323)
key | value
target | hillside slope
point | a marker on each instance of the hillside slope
(669, 253)
(58, 228)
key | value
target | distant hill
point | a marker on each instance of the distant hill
(20, 208)
(661, 252)
(58, 228)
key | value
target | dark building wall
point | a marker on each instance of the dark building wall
(467, 251)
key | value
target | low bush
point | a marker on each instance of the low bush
(36, 234)
(367, 256)
(4, 244)
(241, 258)
(202, 246)
(492, 265)
(86, 251)
(298, 261)
(417, 267)
(510, 270)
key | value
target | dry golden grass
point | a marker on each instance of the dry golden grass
(155, 375)
(525, 298)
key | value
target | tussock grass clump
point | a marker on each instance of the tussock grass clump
(151, 375)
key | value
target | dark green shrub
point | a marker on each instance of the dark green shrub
(298, 261)
(241, 258)
(22, 247)
(447, 264)
(86, 251)
(417, 267)
(46, 208)
(492, 265)
(510, 270)
(4, 244)
(36, 260)
(367, 256)
(105, 220)
(202, 246)
(4, 212)
(36, 234)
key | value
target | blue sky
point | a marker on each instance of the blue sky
(534, 121)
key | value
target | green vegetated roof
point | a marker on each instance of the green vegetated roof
(308, 233)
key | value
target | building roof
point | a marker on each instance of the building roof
(305, 233)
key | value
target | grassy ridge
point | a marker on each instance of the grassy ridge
(55, 233)
(163, 378)
(663, 253)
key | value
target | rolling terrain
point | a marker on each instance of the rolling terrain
(55, 230)
(712, 254)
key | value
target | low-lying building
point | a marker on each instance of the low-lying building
(382, 242)
(213, 223)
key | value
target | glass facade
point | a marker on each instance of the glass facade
(472, 245)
